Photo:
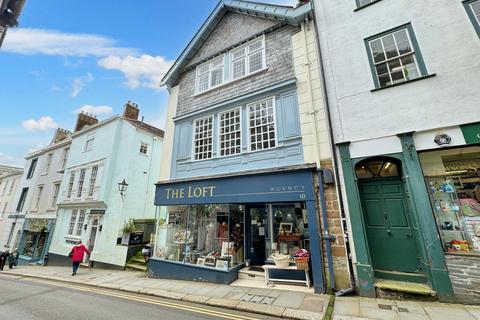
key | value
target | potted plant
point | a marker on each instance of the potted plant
(127, 229)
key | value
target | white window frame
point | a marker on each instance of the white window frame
(387, 60)
(12, 184)
(274, 111)
(194, 126)
(48, 163)
(247, 56)
(146, 145)
(66, 151)
(89, 142)
(4, 189)
(71, 182)
(54, 197)
(210, 64)
(81, 182)
(219, 142)
(37, 198)
(80, 221)
(93, 179)
(73, 222)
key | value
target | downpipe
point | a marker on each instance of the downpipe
(326, 236)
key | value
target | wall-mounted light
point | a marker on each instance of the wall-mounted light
(100, 227)
(85, 227)
(122, 187)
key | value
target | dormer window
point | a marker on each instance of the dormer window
(242, 61)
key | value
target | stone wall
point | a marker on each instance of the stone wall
(465, 275)
(279, 67)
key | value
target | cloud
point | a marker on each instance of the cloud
(96, 110)
(143, 71)
(56, 43)
(79, 83)
(55, 88)
(43, 124)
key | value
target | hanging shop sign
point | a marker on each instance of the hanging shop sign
(279, 186)
(471, 133)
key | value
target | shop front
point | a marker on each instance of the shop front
(452, 178)
(35, 239)
(211, 228)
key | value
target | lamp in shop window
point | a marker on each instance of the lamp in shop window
(122, 187)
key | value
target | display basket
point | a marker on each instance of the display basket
(301, 263)
(281, 261)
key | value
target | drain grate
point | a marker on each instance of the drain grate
(385, 306)
(400, 309)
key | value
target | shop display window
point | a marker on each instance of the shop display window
(289, 229)
(453, 181)
(203, 235)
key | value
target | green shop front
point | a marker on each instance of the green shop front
(35, 239)
(211, 228)
(415, 214)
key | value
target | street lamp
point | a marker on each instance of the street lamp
(122, 187)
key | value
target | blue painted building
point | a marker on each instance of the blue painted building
(245, 147)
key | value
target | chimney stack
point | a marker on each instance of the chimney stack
(131, 111)
(60, 135)
(84, 119)
(302, 2)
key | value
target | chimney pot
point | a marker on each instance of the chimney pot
(131, 111)
(84, 119)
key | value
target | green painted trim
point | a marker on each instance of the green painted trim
(471, 15)
(418, 53)
(431, 250)
(366, 285)
(471, 132)
(404, 82)
(360, 7)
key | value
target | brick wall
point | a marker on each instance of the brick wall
(232, 29)
(340, 262)
(465, 275)
(280, 67)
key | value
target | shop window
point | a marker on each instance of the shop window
(203, 235)
(453, 182)
(377, 168)
(394, 57)
(288, 229)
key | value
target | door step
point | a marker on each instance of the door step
(247, 274)
(405, 287)
(136, 266)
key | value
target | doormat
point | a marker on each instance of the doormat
(259, 269)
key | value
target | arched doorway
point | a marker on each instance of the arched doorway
(387, 218)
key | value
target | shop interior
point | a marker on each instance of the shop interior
(453, 180)
(225, 236)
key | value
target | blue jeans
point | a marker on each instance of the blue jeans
(75, 266)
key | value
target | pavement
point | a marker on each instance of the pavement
(356, 308)
(270, 302)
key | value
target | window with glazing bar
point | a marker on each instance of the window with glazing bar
(261, 119)
(81, 180)
(203, 138)
(73, 219)
(70, 185)
(93, 178)
(395, 57)
(230, 132)
(80, 221)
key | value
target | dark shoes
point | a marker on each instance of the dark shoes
(73, 274)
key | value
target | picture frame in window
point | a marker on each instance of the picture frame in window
(228, 248)
(221, 264)
(209, 261)
(201, 261)
(285, 228)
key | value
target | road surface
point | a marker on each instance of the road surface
(28, 298)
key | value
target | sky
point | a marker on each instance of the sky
(90, 55)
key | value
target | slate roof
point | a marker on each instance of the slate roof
(146, 127)
(286, 14)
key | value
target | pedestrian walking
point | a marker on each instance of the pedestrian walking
(76, 254)
(13, 258)
(147, 252)
(3, 259)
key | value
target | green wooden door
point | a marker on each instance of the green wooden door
(388, 224)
